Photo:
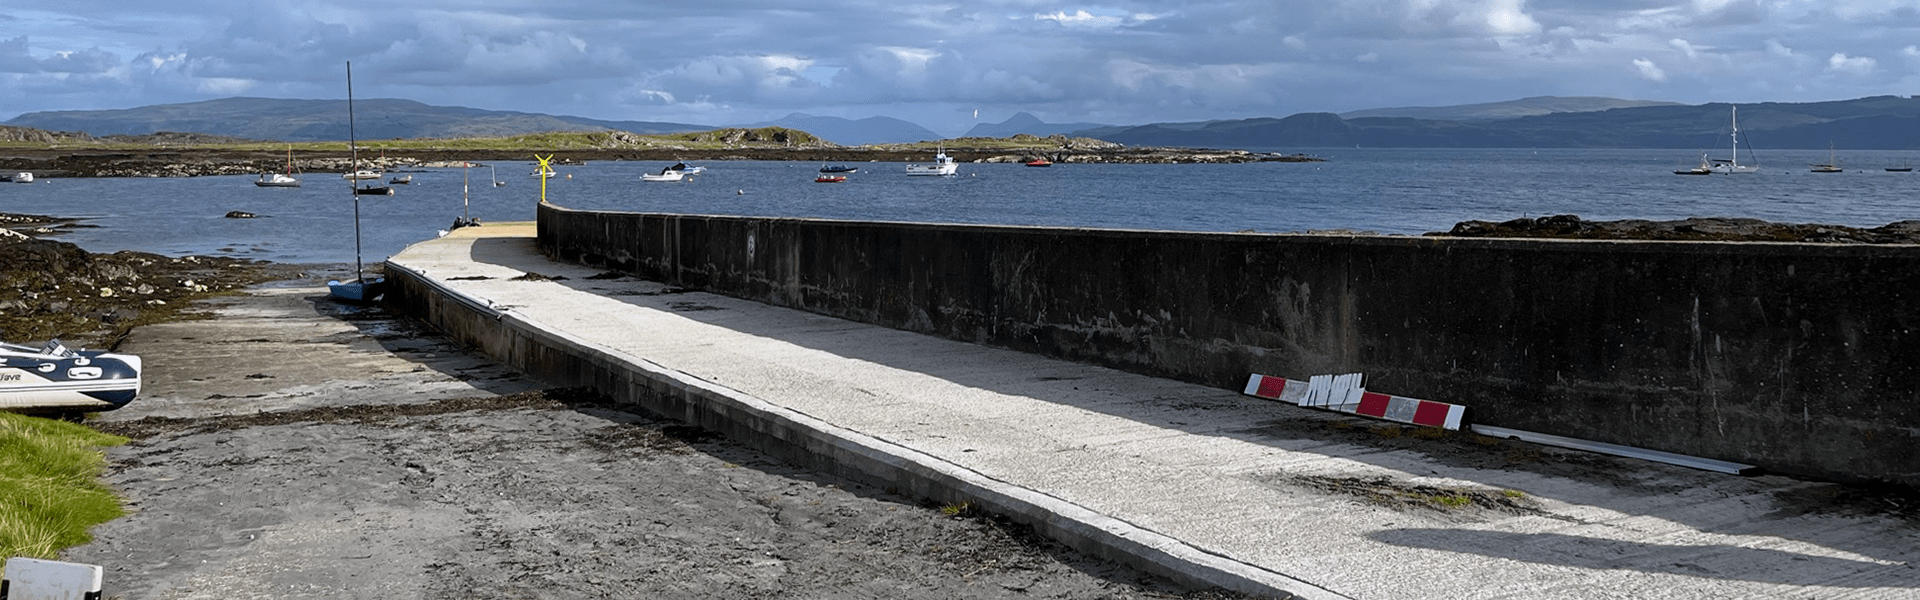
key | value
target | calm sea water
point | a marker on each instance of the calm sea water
(1395, 191)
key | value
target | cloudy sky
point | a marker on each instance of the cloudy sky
(727, 62)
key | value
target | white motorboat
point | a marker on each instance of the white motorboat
(361, 174)
(943, 166)
(677, 172)
(53, 378)
(21, 177)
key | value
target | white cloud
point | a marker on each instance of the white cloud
(1648, 70)
(1081, 18)
(1851, 65)
(1508, 17)
(1126, 61)
(1684, 47)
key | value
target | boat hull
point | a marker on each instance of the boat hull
(64, 381)
(935, 170)
(358, 290)
(943, 166)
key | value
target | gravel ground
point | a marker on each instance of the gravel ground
(291, 447)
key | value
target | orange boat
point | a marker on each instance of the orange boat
(830, 179)
(1039, 162)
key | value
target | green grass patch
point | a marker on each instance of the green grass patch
(50, 493)
(962, 509)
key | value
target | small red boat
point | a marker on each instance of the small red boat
(830, 179)
(1039, 162)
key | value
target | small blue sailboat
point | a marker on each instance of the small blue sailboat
(361, 289)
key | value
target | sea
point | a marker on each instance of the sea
(1378, 190)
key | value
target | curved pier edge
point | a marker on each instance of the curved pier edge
(565, 360)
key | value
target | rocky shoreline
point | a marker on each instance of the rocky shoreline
(1697, 229)
(52, 289)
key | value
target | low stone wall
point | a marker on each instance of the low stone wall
(1799, 358)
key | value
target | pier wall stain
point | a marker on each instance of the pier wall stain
(1798, 358)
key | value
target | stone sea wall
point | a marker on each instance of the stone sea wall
(1798, 358)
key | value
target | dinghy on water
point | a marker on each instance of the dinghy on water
(54, 378)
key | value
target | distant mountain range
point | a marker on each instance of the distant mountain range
(1027, 124)
(1511, 109)
(320, 120)
(1880, 122)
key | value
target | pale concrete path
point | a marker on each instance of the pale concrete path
(1237, 478)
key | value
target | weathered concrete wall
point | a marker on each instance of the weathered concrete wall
(1798, 358)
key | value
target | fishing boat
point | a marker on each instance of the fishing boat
(830, 178)
(280, 179)
(943, 166)
(362, 288)
(838, 169)
(401, 180)
(54, 378)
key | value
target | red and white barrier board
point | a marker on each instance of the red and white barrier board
(1344, 393)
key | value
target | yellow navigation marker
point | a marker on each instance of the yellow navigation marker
(546, 170)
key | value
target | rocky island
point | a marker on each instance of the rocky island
(69, 154)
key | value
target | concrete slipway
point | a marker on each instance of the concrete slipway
(1204, 484)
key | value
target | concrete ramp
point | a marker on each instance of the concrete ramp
(1209, 486)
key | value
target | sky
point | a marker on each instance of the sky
(948, 66)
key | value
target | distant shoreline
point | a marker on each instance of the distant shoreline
(165, 161)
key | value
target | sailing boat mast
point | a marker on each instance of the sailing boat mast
(1731, 164)
(1736, 137)
(353, 185)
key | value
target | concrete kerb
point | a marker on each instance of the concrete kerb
(801, 438)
